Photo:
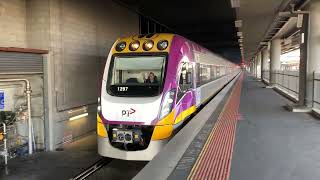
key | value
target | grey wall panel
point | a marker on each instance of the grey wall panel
(87, 32)
(13, 23)
(13, 63)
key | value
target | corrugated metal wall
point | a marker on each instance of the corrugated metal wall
(20, 63)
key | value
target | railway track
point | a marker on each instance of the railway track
(92, 169)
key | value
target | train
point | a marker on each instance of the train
(151, 85)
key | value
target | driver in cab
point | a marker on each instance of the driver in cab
(152, 79)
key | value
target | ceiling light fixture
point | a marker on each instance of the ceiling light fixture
(238, 23)
(235, 3)
(263, 43)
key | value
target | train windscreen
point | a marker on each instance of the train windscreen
(136, 76)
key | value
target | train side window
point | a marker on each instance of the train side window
(185, 79)
(218, 71)
(213, 72)
(204, 73)
(198, 80)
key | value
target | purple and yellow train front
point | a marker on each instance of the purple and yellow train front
(150, 86)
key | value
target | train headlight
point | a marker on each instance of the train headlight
(134, 45)
(167, 104)
(162, 45)
(120, 46)
(148, 45)
(99, 105)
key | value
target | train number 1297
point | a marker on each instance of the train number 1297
(122, 88)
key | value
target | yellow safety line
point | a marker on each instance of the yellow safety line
(196, 165)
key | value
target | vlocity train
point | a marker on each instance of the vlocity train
(151, 85)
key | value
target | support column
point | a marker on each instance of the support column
(313, 62)
(309, 57)
(264, 63)
(252, 67)
(255, 66)
(259, 65)
(304, 31)
(275, 52)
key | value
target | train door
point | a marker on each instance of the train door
(185, 97)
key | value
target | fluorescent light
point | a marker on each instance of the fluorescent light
(84, 108)
(78, 116)
(239, 34)
(240, 40)
(238, 23)
(284, 14)
(235, 3)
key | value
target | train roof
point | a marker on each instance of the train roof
(142, 40)
(156, 38)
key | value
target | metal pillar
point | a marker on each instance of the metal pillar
(275, 52)
(252, 67)
(309, 57)
(259, 65)
(264, 63)
(303, 61)
(255, 66)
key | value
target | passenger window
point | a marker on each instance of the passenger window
(218, 71)
(205, 73)
(198, 80)
(186, 79)
(213, 72)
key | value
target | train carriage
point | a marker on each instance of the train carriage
(151, 85)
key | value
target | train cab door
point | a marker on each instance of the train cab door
(185, 94)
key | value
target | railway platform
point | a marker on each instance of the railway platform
(250, 135)
(244, 132)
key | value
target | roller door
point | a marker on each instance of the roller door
(20, 63)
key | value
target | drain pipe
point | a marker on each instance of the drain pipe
(5, 149)
(28, 93)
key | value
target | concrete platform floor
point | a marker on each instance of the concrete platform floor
(271, 142)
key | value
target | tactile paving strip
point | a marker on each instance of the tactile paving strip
(214, 161)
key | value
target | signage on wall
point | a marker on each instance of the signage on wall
(1, 99)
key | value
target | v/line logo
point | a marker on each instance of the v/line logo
(128, 112)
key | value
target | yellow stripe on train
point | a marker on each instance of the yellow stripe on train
(101, 129)
(184, 114)
(164, 128)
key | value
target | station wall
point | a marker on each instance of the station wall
(13, 23)
(78, 35)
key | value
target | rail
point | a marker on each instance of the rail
(285, 81)
(316, 90)
(288, 81)
(92, 169)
